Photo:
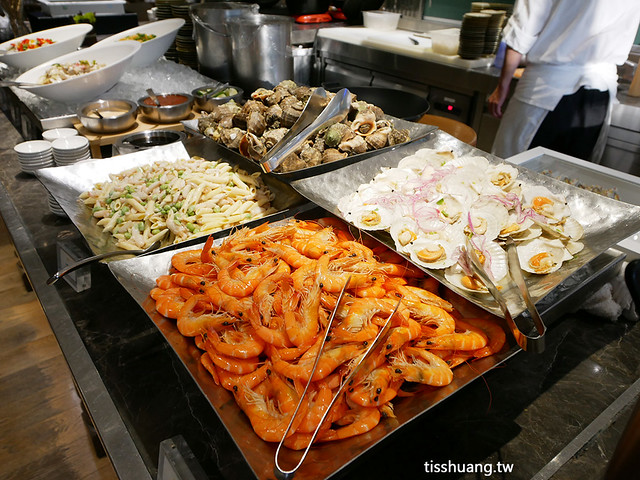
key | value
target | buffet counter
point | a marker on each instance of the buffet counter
(558, 414)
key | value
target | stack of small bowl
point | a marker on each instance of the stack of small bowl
(69, 150)
(479, 6)
(494, 29)
(34, 154)
(472, 34)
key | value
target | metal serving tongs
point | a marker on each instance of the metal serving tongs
(312, 119)
(530, 343)
(288, 474)
(13, 83)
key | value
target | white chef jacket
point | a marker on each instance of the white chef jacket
(568, 44)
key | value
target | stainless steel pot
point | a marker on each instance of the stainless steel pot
(213, 41)
(261, 49)
(147, 139)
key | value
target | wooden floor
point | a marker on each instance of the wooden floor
(42, 431)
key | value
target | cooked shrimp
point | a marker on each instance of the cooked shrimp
(231, 381)
(287, 253)
(231, 364)
(189, 262)
(320, 243)
(192, 319)
(230, 304)
(239, 341)
(421, 366)
(332, 357)
(334, 281)
(470, 338)
(170, 302)
(233, 281)
(356, 422)
(495, 334)
(377, 388)
(415, 295)
(197, 283)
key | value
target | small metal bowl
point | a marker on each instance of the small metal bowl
(119, 115)
(167, 113)
(147, 139)
(206, 103)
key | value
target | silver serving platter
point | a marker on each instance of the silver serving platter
(137, 275)
(416, 132)
(66, 183)
(606, 221)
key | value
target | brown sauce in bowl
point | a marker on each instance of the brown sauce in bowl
(166, 100)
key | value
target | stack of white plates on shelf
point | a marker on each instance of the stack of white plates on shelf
(55, 133)
(34, 154)
(69, 150)
(55, 207)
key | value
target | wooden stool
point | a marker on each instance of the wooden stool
(461, 131)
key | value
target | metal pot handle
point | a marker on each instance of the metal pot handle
(200, 22)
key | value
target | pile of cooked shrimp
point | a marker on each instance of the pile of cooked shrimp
(259, 304)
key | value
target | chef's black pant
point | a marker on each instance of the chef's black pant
(574, 126)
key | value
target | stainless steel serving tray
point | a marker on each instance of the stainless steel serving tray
(416, 131)
(588, 174)
(137, 276)
(606, 221)
(66, 183)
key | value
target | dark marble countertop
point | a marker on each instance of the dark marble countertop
(558, 414)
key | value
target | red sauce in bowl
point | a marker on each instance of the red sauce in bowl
(166, 100)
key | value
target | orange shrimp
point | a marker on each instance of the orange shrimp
(332, 357)
(421, 366)
(471, 338)
(189, 262)
(232, 381)
(318, 402)
(196, 283)
(435, 320)
(302, 326)
(164, 282)
(233, 281)
(340, 227)
(231, 364)
(206, 255)
(239, 341)
(320, 243)
(334, 281)
(415, 295)
(356, 422)
(377, 388)
(357, 326)
(402, 334)
(192, 320)
(206, 362)
(265, 293)
(230, 304)
(170, 302)
(495, 334)
(287, 253)
(273, 334)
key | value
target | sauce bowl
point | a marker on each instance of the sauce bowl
(173, 107)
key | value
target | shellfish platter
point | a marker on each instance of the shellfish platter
(425, 198)
(254, 128)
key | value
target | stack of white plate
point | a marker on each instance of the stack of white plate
(55, 133)
(69, 150)
(55, 207)
(34, 154)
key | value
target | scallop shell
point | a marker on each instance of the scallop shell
(403, 231)
(542, 201)
(451, 209)
(492, 257)
(461, 279)
(541, 255)
(368, 217)
(534, 231)
(502, 175)
(574, 247)
(435, 251)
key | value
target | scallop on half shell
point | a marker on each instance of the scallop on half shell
(541, 255)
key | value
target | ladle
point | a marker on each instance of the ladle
(74, 266)
(153, 97)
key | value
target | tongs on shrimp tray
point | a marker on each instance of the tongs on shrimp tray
(312, 119)
(532, 343)
(283, 474)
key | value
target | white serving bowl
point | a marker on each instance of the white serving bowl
(55, 133)
(85, 87)
(165, 32)
(380, 19)
(67, 38)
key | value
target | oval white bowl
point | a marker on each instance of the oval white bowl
(151, 50)
(88, 86)
(67, 38)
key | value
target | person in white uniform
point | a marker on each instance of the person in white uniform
(563, 99)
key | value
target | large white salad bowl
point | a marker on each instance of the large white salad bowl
(81, 88)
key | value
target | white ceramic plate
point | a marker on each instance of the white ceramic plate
(66, 39)
(74, 90)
